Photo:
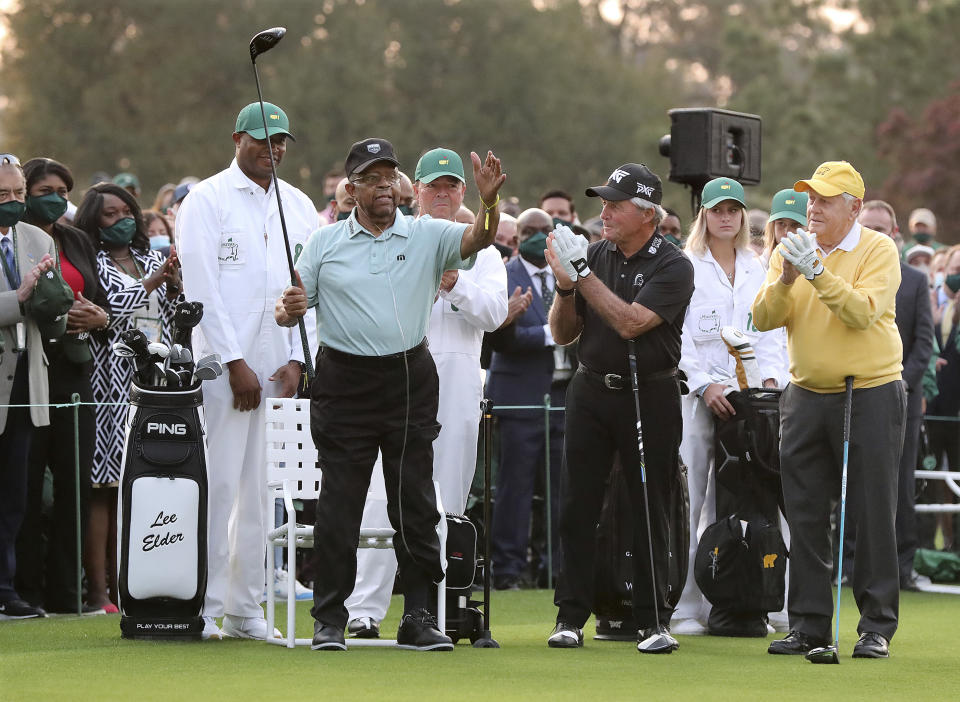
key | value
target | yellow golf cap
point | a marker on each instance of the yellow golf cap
(832, 178)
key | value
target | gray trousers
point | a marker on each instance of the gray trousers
(811, 461)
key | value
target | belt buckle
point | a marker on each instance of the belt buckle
(613, 381)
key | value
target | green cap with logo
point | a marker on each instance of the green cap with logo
(439, 162)
(720, 189)
(250, 120)
(789, 204)
(52, 298)
(126, 180)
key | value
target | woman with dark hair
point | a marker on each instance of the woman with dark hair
(49, 579)
(142, 289)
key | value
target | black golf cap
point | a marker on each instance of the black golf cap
(630, 180)
(363, 153)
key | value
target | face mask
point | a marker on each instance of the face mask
(120, 232)
(533, 246)
(505, 251)
(405, 209)
(922, 237)
(46, 209)
(672, 239)
(11, 212)
(342, 215)
(953, 282)
(938, 279)
(557, 221)
(160, 241)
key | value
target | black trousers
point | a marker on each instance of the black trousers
(359, 405)
(811, 461)
(14, 449)
(47, 547)
(600, 423)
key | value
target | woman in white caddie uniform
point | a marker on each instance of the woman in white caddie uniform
(727, 276)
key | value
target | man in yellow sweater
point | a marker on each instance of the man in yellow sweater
(834, 289)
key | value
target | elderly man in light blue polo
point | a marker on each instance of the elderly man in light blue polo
(373, 278)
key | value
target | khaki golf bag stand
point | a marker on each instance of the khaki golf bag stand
(163, 515)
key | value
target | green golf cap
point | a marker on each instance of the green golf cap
(720, 189)
(439, 162)
(52, 298)
(789, 204)
(250, 120)
(126, 180)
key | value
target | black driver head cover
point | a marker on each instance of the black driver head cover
(265, 40)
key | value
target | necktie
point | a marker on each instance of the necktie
(13, 275)
(546, 292)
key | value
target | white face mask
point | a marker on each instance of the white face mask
(938, 279)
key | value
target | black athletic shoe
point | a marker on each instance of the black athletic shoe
(418, 631)
(565, 636)
(871, 645)
(327, 637)
(795, 643)
(18, 609)
(663, 643)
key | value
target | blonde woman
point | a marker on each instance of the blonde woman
(727, 276)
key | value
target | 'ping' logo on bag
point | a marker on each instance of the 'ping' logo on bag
(166, 429)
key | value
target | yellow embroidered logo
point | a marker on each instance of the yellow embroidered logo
(823, 170)
(725, 186)
(768, 560)
(790, 202)
(444, 161)
(274, 116)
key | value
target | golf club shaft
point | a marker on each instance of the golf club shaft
(847, 411)
(632, 355)
(307, 361)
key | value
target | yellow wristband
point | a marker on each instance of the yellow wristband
(490, 207)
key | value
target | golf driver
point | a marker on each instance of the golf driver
(829, 654)
(137, 342)
(261, 43)
(660, 642)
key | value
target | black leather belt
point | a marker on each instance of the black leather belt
(613, 381)
(371, 361)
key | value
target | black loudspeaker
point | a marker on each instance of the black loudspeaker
(705, 143)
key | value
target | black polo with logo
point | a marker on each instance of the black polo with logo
(659, 277)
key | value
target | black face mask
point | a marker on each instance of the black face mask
(504, 250)
(405, 209)
(953, 282)
(557, 221)
(342, 215)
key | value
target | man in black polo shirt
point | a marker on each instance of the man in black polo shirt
(632, 284)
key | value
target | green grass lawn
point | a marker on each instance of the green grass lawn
(84, 658)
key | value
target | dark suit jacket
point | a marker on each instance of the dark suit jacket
(915, 322)
(521, 369)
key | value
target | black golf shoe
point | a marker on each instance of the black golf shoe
(18, 609)
(418, 631)
(327, 637)
(795, 643)
(565, 636)
(871, 645)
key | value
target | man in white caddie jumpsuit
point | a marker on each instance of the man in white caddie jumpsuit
(234, 261)
(469, 303)
(721, 298)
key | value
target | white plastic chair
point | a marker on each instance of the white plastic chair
(293, 473)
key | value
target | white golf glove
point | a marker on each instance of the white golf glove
(800, 249)
(571, 249)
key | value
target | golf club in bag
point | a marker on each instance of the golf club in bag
(162, 516)
(660, 642)
(828, 654)
(260, 44)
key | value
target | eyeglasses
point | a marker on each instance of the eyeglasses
(371, 180)
(9, 158)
